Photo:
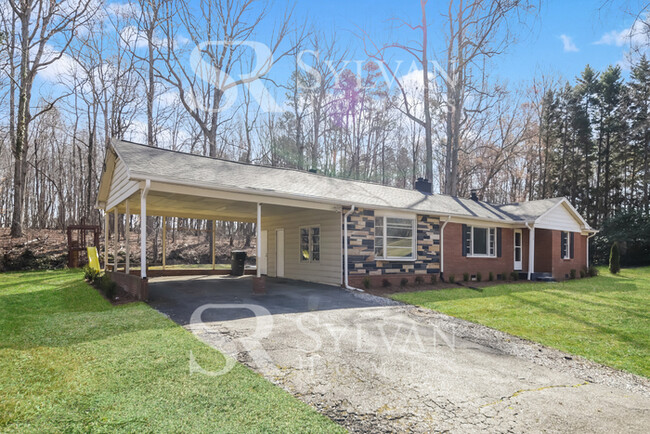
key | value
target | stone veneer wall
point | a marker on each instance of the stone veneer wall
(361, 246)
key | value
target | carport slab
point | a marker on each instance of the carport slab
(377, 367)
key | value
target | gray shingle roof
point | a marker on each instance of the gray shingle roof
(145, 162)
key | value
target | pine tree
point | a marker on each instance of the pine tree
(639, 96)
(614, 259)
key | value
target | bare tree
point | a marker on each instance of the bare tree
(41, 22)
(221, 33)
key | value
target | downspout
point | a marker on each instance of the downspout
(588, 238)
(345, 250)
(531, 249)
(442, 247)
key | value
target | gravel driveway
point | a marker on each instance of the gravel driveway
(373, 365)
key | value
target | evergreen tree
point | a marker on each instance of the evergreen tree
(614, 259)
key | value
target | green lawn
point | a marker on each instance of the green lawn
(605, 318)
(71, 362)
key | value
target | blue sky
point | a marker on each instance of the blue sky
(540, 48)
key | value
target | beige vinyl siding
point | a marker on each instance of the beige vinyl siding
(328, 269)
(120, 182)
(559, 218)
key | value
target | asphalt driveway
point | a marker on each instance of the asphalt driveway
(373, 365)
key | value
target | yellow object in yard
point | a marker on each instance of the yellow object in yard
(93, 258)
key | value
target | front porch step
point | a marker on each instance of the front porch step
(542, 277)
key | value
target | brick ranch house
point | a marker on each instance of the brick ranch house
(316, 228)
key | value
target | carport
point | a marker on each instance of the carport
(144, 181)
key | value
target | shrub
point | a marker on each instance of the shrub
(491, 276)
(385, 283)
(465, 277)
(434, 279)
(593, 271)
(514, 276)
(614, 259)
(403, 282)
(419, 280)
(107, 286)
(572, 273)
(90, 274)
(366, 282)
(583, 273)
(504, 276)
(451, 278)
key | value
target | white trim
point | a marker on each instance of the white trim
(414, 237)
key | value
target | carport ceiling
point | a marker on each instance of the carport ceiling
(188, 206)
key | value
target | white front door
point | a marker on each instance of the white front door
(264, 242)
(518, 249)
(279, 252)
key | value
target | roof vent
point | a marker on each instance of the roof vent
(423, 185)
(474, 194)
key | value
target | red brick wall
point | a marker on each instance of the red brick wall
(562, 267)
(544, 251)
(457, 264)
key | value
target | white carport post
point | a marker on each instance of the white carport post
(115, 237)
(164, 242)
(143, 229)
(214, 238)
(531, 250)
(127, 232)
(106, 238)
(259, 239)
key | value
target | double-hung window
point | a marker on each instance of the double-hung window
(565, 245)
(482, 242)
(395, 238)
(310, 244)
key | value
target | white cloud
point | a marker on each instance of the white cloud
(635, 35)
(569, 45)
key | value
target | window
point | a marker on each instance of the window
(481, 242)
(394, 238)
(565, 245)
(310, 244)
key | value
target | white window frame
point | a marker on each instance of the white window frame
(567, 255)
(414, 237)
(311, 259)
(490, 242)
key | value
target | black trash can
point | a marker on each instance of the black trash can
(238, 259)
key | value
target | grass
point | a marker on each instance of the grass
(72, 362)
(604, 318)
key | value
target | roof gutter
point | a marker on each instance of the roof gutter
(345, 251)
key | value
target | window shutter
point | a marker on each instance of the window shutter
(499, 242)
(464, 239)
(562, 245)
(571, 245)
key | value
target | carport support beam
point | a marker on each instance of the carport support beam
(164, 242)
(259, 239)
(143, 229)
(116, 217)
(127, 233)
(106, 238)
(214, 230)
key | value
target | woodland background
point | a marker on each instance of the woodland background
(122, 71)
